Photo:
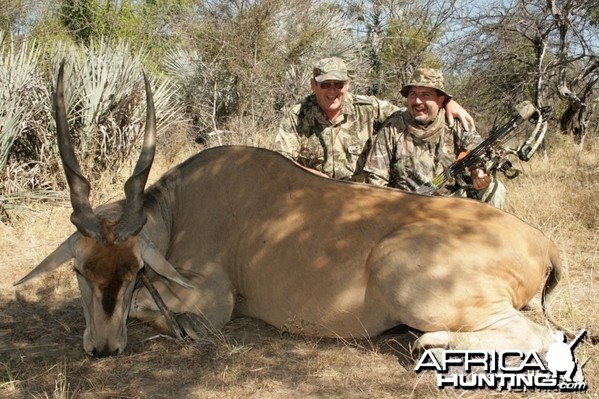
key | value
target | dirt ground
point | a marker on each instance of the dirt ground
(41, 327)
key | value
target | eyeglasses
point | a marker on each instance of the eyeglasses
(328, 83)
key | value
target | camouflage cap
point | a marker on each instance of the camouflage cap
(426, 77)
(330, 69)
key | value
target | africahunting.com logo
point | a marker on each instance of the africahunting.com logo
(509, 370)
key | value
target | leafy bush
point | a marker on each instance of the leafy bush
(106, 105)
(26, 149)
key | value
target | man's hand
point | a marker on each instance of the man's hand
(454, 110)
(480, 179)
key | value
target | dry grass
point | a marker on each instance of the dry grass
(41, 323)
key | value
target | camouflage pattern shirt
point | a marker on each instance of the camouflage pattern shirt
(401, 160)
(336, 148)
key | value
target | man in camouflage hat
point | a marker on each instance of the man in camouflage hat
(330, 131)
(417, 144)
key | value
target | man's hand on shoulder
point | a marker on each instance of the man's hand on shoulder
(454, 110)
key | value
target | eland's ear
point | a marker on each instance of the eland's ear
(59, 256)
(157, 262)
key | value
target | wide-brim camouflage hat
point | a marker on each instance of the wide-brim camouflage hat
(330, 69)
(426, 77)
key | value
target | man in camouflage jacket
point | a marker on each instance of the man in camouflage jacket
(417, 144)
(331, 130)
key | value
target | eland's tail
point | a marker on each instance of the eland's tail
(554, 275)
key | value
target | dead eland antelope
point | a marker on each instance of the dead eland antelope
(245, 228)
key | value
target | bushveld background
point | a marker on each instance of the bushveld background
(223, 72)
